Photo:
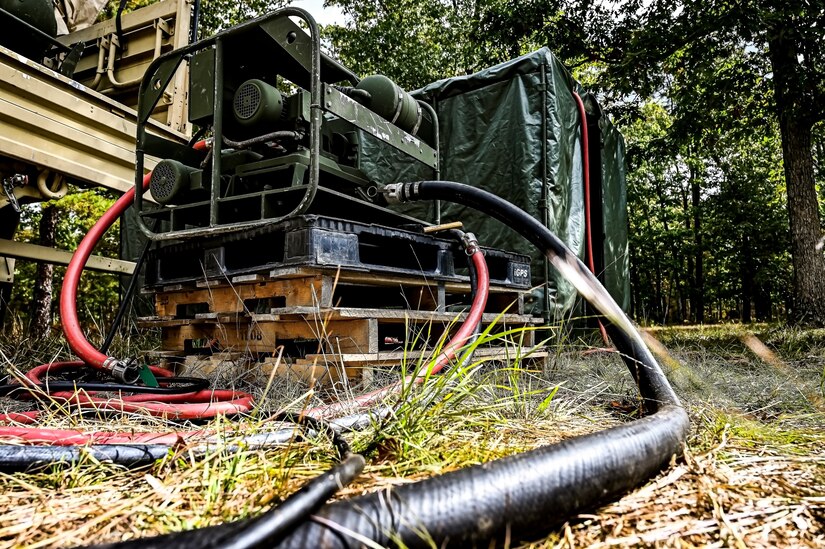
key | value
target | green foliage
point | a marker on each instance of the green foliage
(413, 42)
(730, 69)
(740, 199)
(218, 15)
(98, 292)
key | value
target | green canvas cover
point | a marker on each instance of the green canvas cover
(514, 130)
(616, 273)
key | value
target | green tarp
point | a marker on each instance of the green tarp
(514, 129)
(615, 274)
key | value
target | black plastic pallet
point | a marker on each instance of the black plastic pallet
(316, 241)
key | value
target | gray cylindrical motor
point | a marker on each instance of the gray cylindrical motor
(170, 182)
(389, 101)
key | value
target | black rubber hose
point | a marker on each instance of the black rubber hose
(168, 386)
(22, 458)
(522, 495)
(306, 422)
(273, 526)
(653, 386)
(119, 25)
(267, 530)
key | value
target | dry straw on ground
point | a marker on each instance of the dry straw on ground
(753, 474)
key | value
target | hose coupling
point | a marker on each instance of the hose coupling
(122, 370)
(397, 193)
(471, 244)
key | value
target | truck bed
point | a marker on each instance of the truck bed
(52, 121)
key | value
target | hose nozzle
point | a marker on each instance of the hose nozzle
(397, 193)
(471, 244)
(123, 371)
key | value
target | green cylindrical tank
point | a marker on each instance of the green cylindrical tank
(389, 101)
(37, 13)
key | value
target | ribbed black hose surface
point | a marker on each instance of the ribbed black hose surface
(17, 458)
(263, 531)
(528, 493)
(512, 497)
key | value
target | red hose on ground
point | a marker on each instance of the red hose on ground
(68, 297)
(447, 353)
(69, 437)
(206, 403)
(588, 234)
(199, 405)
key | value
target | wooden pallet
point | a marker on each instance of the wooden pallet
(313, 241)
(306, 312)
(318, 287)
(340, 369)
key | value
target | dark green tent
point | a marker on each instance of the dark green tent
(514, 129)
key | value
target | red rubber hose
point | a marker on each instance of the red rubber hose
(463, 334)
(71, 437)
(186, 406)
(198, 405)
(588, 231)
(161, 405)
(234, 401)
(68, 297)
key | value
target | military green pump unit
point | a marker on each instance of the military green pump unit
(283, 123)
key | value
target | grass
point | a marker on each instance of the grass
(753, 474)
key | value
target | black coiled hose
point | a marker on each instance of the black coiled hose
(521, 495)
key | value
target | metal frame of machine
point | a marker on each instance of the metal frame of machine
(283, 165)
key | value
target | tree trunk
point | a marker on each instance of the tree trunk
(697, 300)
(41, 307)
(803, 212)
(803, 207)
(762, 303)
(746, 276)
(688, 303)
